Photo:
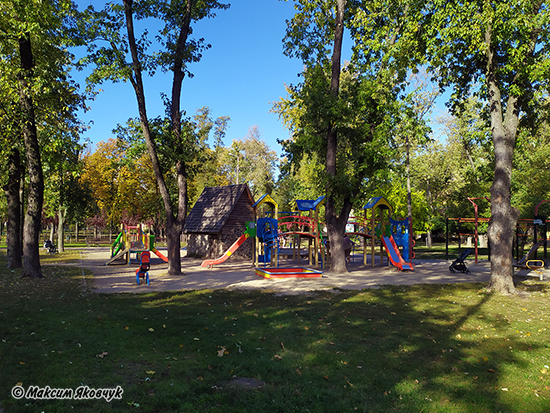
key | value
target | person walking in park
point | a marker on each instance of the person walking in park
(348, 244)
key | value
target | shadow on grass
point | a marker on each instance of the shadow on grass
(436, 348)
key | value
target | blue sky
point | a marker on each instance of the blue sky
(240, 76)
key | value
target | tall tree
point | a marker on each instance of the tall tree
(121, 179)
(31, 226)
(13, 196)
(532, 170)
(117, 25)
(13, 166)
(252, 162)
(505, 45)
(203, 164)
(354, 122)
(35, 36)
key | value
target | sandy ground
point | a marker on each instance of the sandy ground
(240, 275)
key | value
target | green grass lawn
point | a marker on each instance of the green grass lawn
(428, 348)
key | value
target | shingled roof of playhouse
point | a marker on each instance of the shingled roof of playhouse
(213, 208)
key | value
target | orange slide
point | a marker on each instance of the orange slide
(159, 254)
(231, 250)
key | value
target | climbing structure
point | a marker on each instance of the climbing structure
(267, 233)
(392, 234)
(266, 245)
(299, 226)
(132, 239)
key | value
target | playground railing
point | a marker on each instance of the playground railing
(297, 224)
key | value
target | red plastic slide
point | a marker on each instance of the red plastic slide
(159, 254)
(394, 255)
(231, 250)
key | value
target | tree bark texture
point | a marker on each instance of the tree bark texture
(13, 232)
(503, 216)
(335, 225)
(61, 215)
(35, 200)
(173, 236)
(174, 225)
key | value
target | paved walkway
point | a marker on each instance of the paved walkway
(240, 275)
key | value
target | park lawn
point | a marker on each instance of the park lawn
(430, 348)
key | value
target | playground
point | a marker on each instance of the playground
(290, 251)
(240, 275)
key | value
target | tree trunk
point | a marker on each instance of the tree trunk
(174, 250)
(76, 231)
(430, 208)
(409, 194)
(334, 224)
(174, 226)
(31, 229)
(181, 170)
(61, 215)
(13, 231)
(503, 216)
(22, 206)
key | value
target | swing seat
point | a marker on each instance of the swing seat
(143, 270)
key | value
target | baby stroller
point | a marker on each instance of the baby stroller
(50, 247)
(458, 264)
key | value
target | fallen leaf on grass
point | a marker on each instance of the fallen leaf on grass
(276, 357)
(221, 352)
(298, 371)
(102, 354)
(150, 372)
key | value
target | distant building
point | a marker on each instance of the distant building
(218, 219)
